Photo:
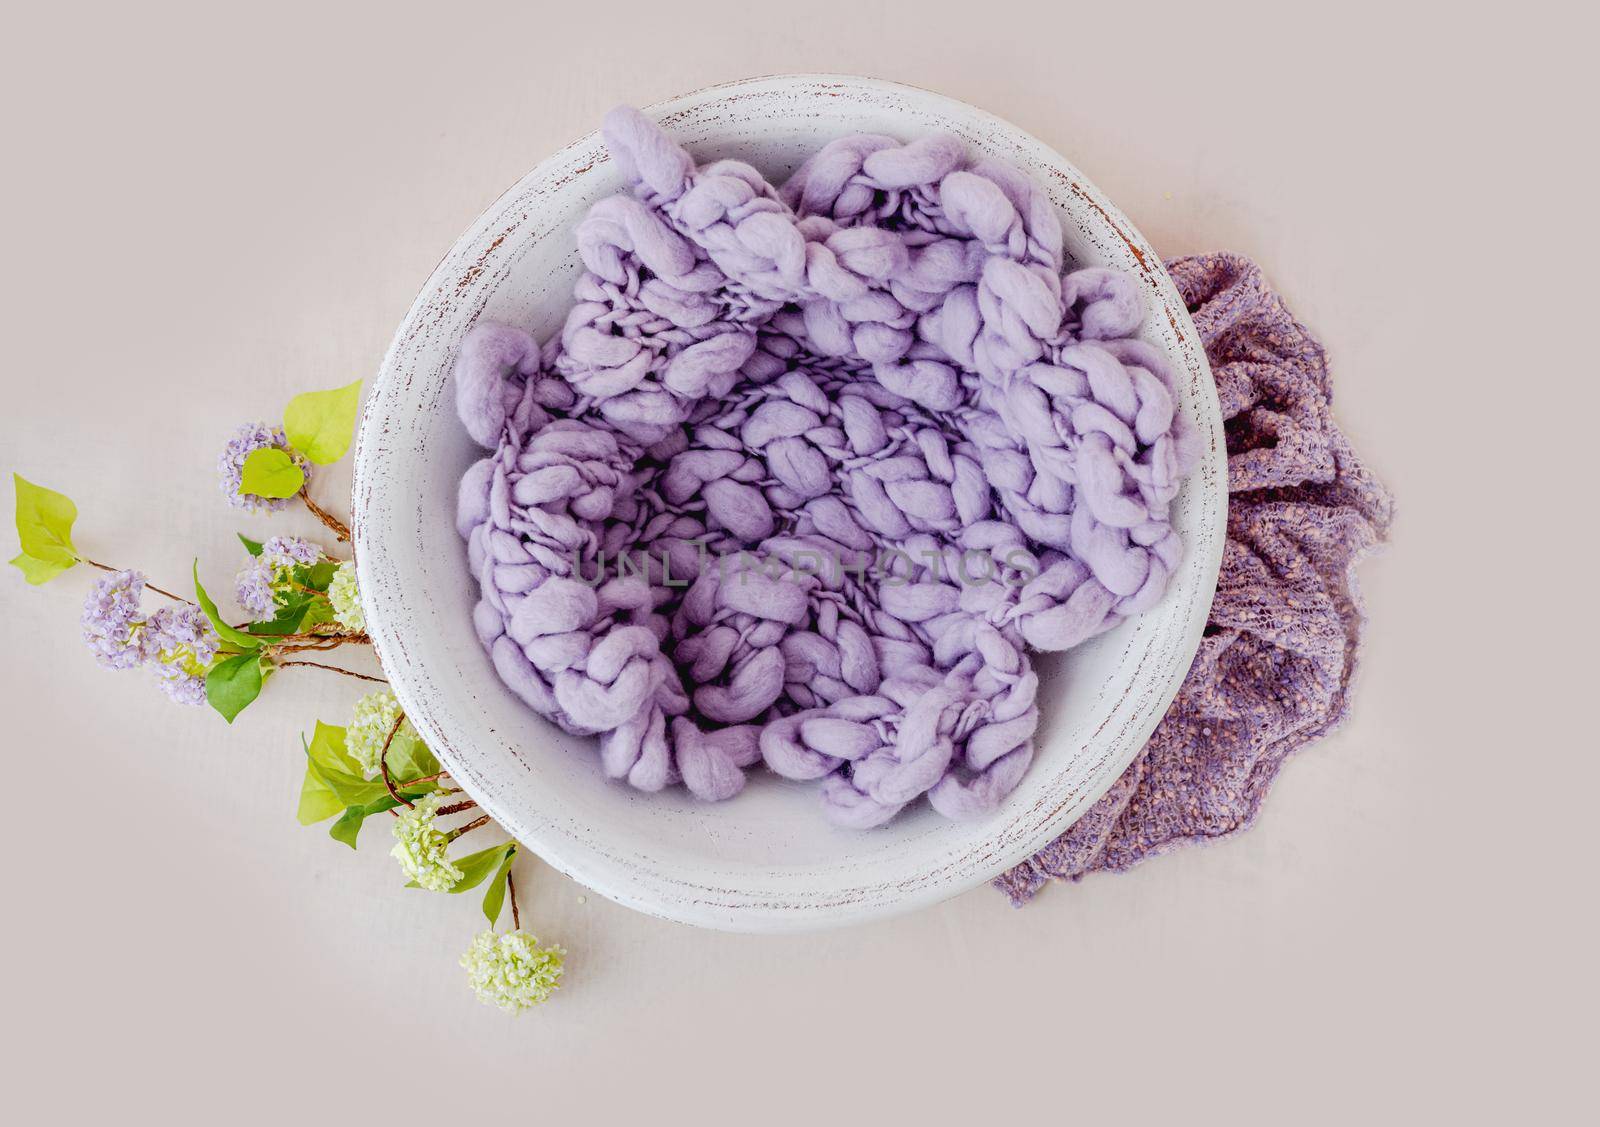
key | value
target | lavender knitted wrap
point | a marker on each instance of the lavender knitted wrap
(1274, 669)
(930, 446)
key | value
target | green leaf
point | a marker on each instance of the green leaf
(251, 546)
(44, 522)
(320, 424)
(328, 750)
(494, 897)
(237, 637)
(409, 758)
(333, 772)
(318, 613)
(349, 824)
(290, 617)
(476, 867)
(37, 571)
(317, 576)
(352, 789)
(342, 775)
(44, 528)
(348, 828)
(318, 803)
(270, 472)
(233, 683)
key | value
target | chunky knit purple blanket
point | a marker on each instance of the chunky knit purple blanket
(1280, 649)
(809, 471)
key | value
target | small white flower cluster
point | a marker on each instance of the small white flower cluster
(346, 599)
(512, 971)
(420, 846)
(374, 716)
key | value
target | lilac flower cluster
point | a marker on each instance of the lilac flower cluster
(111, 622)
(177, 642)
(260, 583)
(181, 645)
(246, 440)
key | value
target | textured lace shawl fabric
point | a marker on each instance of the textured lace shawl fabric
(928, 444)
(1274, 668)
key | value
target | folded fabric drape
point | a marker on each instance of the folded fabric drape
(1282, 641)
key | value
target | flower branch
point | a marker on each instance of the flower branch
(301, 600)
(332, 523)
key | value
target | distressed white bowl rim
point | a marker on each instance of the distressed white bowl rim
(765, 861)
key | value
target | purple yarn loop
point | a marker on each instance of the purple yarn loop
(927, 445)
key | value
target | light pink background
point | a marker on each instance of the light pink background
(204, 212)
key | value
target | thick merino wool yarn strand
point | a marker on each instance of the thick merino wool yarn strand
(808, 471)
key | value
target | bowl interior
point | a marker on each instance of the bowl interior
(765, 860)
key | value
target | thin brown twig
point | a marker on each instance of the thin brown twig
(293, 643)
(383, 762)
(469, 827)
(457, 807)
(336, 669)
(318, 642)
(300, 647)
(516, 916)
(338, 639)
(331, 522)
(147, 583)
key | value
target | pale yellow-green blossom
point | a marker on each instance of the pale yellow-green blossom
(420, 846)
(512, 971)
(370, 725)
(346, 598)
